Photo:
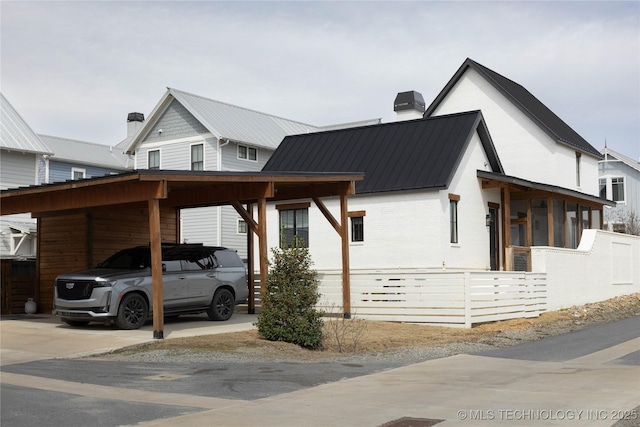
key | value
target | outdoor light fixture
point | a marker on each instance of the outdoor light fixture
(488, 220)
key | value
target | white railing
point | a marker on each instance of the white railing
(443, 298)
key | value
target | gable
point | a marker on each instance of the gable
(406, 155)
(175, 122)
(533, 108)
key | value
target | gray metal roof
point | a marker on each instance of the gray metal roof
(87, 153)
(226, 121)
(15, 133)
(231, 122)
(608, 152)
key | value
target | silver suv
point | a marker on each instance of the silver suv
(195, 279)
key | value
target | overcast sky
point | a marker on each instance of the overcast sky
(75, 69)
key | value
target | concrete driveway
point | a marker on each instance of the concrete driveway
(39, 337)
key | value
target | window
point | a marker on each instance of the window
(154, 159)
(617, 189)
(539, 222)
(578, 157)
(242, 227)
(247, 153)
(294, 222)
(453, 217)
(77, 173)
(357, 229)
(197, 157)
(558, 223)
(603, 187)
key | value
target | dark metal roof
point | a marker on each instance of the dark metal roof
(544, 187)
(414, 154)
(553, 125)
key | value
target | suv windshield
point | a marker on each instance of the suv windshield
(130, 259)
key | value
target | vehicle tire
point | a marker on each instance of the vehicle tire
(222, 305)
(133, 312)
(76, 323)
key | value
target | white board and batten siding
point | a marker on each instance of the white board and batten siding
(520, 142)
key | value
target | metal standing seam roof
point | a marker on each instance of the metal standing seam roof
(86, 153)
(553, 125)
(15, 133)
(226, 121)
(621, 157)
(415, 154)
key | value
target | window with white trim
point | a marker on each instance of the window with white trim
(78, 173)
(242, 226)
(197, 157)
(153, 159)
(617, 189)
(247, 153)
(578, 159)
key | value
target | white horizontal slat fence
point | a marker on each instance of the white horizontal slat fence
(444, 298)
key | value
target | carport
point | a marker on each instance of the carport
(81, 222)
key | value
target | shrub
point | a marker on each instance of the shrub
(288, 303)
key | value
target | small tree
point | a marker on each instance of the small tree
(288, 303)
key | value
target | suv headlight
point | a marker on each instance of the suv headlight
(106, 283)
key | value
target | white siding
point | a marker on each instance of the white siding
(524, 149)
(199, 225)
(176, 154)
(231, 162)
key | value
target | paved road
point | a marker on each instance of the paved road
(591, 376)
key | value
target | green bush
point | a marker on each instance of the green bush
(288, 304)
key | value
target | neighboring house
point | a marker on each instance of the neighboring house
(23, 158)
(73, 160)
(189, 132)
(489, 175)
(619, 181)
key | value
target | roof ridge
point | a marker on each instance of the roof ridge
(74, 140)
(238, 107)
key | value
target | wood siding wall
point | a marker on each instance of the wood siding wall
(80, 241)
(17, 284)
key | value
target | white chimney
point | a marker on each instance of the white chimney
(134, 123)
(409, 105)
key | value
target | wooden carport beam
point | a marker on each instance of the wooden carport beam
(156, 268)
(342, 229)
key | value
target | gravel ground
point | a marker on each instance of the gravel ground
(406, 346)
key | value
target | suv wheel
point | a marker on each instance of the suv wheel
(133, 312)
(221, 307)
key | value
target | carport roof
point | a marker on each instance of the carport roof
(174, 188)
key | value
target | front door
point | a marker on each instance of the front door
(494, 239)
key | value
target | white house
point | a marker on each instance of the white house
(489, 175)
(190, 132)
(619, 181)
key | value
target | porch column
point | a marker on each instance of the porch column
(262, 243)
(156, 268)
(346, 277)
(506, 221)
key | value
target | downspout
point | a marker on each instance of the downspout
(219, 208)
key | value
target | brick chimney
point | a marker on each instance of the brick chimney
(134, 123)
(409, 105)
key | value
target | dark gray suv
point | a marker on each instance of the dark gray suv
(195, 279)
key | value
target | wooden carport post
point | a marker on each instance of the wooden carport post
(343, 231)
(156, 268)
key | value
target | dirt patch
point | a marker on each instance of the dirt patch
(382, 338)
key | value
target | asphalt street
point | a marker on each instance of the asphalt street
(80, 392)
